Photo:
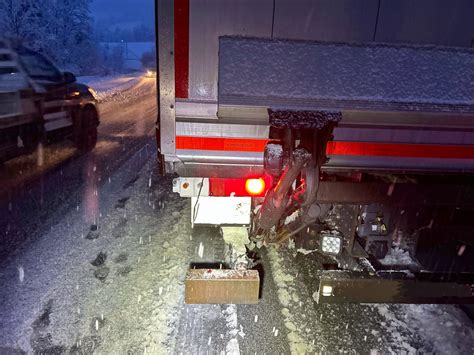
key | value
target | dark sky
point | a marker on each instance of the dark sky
(123, 12)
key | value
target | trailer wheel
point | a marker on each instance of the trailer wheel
(87, 137)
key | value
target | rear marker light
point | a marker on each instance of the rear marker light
(327, 291)
(255, 187)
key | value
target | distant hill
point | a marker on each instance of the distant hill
(132, 52)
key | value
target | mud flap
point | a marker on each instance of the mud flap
(222, 286)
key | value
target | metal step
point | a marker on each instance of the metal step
(211, 286)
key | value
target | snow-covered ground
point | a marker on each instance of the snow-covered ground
(94, 253)
(361, 328)
(110, 85)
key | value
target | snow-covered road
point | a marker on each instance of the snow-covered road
(94, 251)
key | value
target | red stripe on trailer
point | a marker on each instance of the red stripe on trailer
(333, 148)
(400, 150)
(181, 48)
(219, 143)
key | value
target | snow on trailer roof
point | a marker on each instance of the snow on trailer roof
(304, 75)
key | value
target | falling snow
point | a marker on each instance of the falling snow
(53, 300)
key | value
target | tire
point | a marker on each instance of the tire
(87, 137)
(33, 136)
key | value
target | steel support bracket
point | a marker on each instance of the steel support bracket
(362, 287)
(166, 77)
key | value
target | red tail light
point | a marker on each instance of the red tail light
(255, 187)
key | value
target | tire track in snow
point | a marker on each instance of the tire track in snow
(232, 322)
(298, 339)
(140, 307)
(202, 328)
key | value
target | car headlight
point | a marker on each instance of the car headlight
(331, 244)
(93, 93)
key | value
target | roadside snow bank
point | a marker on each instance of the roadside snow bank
(109, 85)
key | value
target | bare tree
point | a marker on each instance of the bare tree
(19, 19)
